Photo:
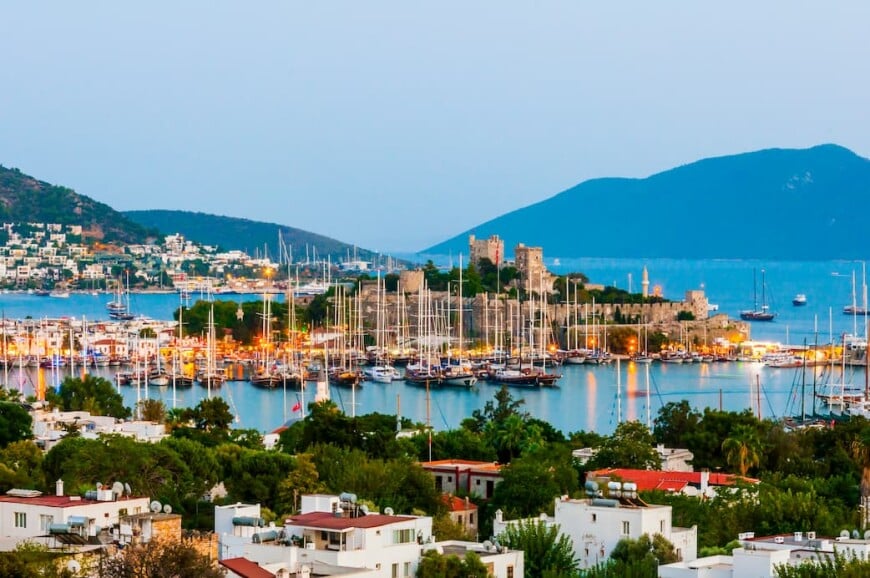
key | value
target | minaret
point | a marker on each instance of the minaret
(645, 282)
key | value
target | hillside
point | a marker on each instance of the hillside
(26, 199)
(253, 237)
(785, 204)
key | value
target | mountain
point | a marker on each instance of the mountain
(253, 237)
(24, 199)
(786, 204)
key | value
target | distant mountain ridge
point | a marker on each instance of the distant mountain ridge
(24, 199)
(252, 237)
(782, 204)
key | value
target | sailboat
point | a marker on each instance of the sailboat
(756, 314)
(265, 375)
(211, 377)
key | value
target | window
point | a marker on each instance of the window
(395, 570)
(403, 536)
(459, 519)
(45, 522)
(626, 528)
(594, 518)
(407, 569)
(662, 527)
(471, 519)
(510, 572)
(449, 478)
(20, 520)
(439, 483)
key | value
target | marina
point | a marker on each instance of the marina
(585, 397)
(588, 397)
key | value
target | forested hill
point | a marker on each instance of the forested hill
(253, 237)
(24, 199)
(787, 204)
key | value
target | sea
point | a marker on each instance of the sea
(588, 398)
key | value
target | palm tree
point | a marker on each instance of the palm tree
(743, 448)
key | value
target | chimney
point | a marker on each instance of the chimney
(58, 487)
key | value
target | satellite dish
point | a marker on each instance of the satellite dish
(117, 488)
(167, 509)
(99, 486)
(73, 566)
(127, 489)
(156, 506)
(388, 511)
(487, 545)
(867, 535)
(844, 534)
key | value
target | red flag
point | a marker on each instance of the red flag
(297, 406)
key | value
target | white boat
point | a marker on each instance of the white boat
(380, 373)
(799, 300)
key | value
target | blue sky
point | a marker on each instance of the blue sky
(395, 125)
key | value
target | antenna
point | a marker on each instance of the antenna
(156, 506)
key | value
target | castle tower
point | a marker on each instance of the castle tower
(645, 282)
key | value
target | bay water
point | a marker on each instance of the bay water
(591, 398)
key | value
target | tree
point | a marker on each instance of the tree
(152, 410)
(675, 419)
(743, 448)
(546, 549)
(433, 564)
(29, 559)
(15, 423)
(158, 559)
(530, 483)
(21, 466)
(89, 393)
(836, 564)
(302, 479)
(631, 446)
(629, 550)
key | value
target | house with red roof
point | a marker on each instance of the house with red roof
(337, 535)
(69, 519)
(465, 476)
(703, 483)
(462, 511)
(244, 568)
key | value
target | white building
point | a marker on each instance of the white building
(759, 557)
(596, 525)
(29, 513)
(335, 535)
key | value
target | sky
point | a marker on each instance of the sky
(396, 125)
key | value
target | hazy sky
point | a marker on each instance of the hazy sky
(395, 125)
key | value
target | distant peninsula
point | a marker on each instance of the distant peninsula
(784, 204)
